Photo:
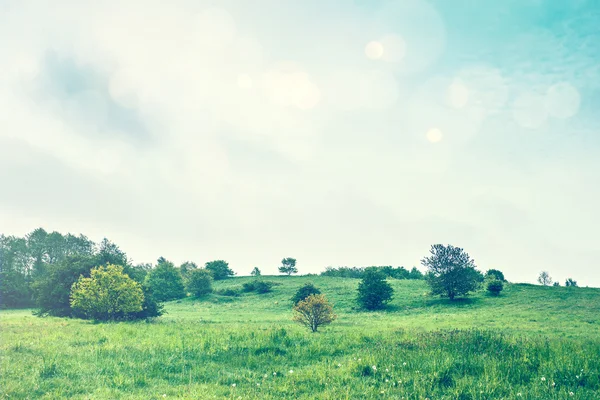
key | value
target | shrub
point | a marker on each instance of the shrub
(248, 286)
(451, 271)
(374, 291)
(255, 272)
(288, 266)
(165, 281)
(107, 294)
(570, 283)
(304, 292)
(262, 287)
(495, 286)
(199, 282)
(494, 274)
(314, 311)
(220, 269)
(229, 292)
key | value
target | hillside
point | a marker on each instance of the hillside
(531, 342)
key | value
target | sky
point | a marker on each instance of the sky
(341, 133)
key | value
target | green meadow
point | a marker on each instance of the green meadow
(531, 342)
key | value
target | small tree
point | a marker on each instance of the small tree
(255, 272)
(374, 292)
(451, 271)
(495, 286)
(186, 269)
(570, 282)
(199, 282)
(107, 294)
(494, 274)
(544, 279)
(314, 311)
(288, 266)
(305, 291)
(165, 281)
(220, 269)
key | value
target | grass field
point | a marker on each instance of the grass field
(530, 343)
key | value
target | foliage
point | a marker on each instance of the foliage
(199, 282)
(495, 274)
(231, 292)
(556, 284)
(258, 286)
(544, 278)
(570, 283)
(451, 271)
(357, 272)
(219, 269)
(374, 292)
(495, 286)
(305, 291)
(14, 290)
(186, 269)
(314, 311)
(165, 281)
(107, 294)
(255, 272)
(288, 266)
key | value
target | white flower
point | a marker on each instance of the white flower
(577, 376)
(387, 370)
(404, 363)
(164, 395)
(339, 365)
(374, 367)
(543, 379)
(291, 371)
(257, 384)
(359, 359)
(233, 385)
(266, 375)
(571, 394)
(553, 384)
(387, 380)
(274, 373)
(519, 394)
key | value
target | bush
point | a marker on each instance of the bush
(165, 281)
(570, 283)
(495, 286)
(374, 291)
(107, 294)
(248, 286)
(220, 269)
(229, 292)
(199, 282)
(262, 287)
(495, 274)
(451, 271)
(314, 311)
(304, 292)
(255, 272)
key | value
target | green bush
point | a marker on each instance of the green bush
(495, 286)
(219, 269)
(262, 287)
(494, 274)
(374, 291)
(165, 281)
(107, 294)
(304, 292)
(249, 286)
(229, 292)
(199, 282)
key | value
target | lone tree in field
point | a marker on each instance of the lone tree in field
(374, 292)
(288, 266)
(451, 271)
(544, 279)
(255, 272)
(107, 294)
(314, 311)
(305, 291)
(199, 282)
(220, 269)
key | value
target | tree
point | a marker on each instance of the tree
(544, 278)
(570, 282)
(107, 294)
(415, 274)
(314, 311)
(220, 269)
(495, 286)
(199, 282)
(305, 291)
(494, 274)
(186, 269)
(110, 253)
(165, 281)
(288, 266)
(255, 272)
(451, 271)
(374, 292)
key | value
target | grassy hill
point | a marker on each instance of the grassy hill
(532, 342)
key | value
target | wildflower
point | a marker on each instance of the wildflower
(339, 365)
(553, 384)
(257, 383)
(387, 380)
(543, 379)
(374, 367)
(577, 376)
(404, 363)
(399, 382)
(383, 391)
(571, 394)
(233, 385)
(164, 395)
(387, 370)
(359, 359)
(274, 373)
(291, 371)
(519, 394)
(265, 376)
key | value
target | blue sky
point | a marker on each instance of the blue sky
(337, 132)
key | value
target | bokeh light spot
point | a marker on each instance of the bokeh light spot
(374, 50)
(434, 135)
